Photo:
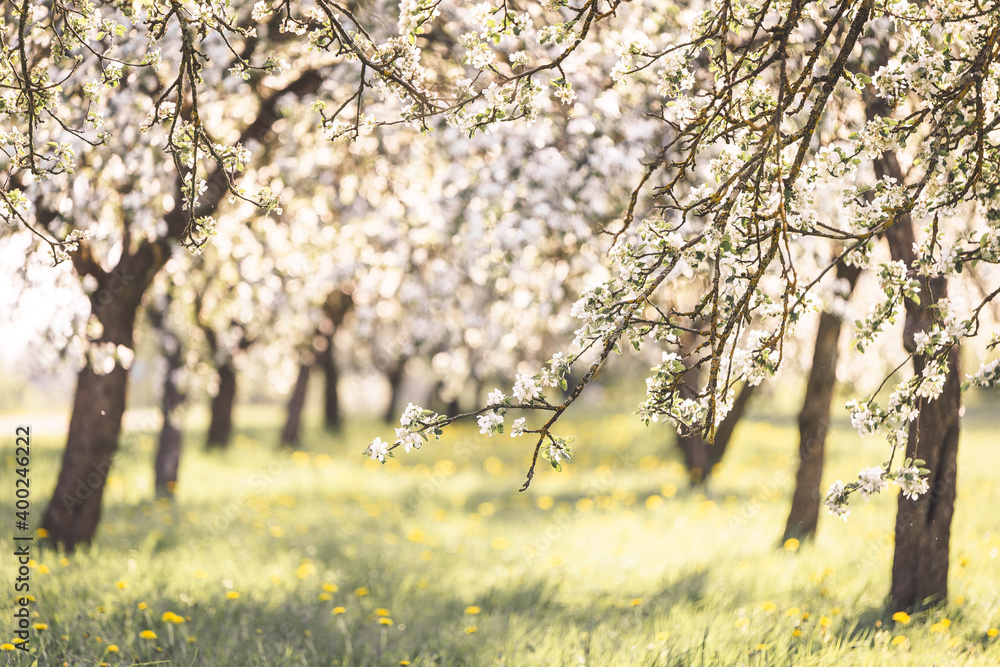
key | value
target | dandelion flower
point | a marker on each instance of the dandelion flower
(898, 639)
(791, 544)
(901, 617)
(381, 611)
(331, 588)
(122, 585)
(472, 610)
(635, 602)
(147, 634)
(112, 648)
(361, 592)
(992, 632)
(142, 606)
(232, 595)
(824, 621)
(384, 621)
(336, 611)
(471, 630)
(41, 626)
(171, 617)
(793, 611)
(767, 605)
(6, 647)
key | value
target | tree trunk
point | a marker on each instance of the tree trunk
(814, 419)
(701, 457)
(331, 376)
(220, 429)
(296, 404)
(394, 375)
(923, 526)
(98, 405)
(168, 451)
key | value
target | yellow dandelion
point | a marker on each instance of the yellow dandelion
(793, 611)
(43, 569)
(147, 634)
(42, 533)
(792, 544)
(331, 588)
(471, 629)
(64, 561)
(361, 592)
(898, 639)
(385, 621)
(308, 633)
(98, 640)
(805, 616)
(142, 606)
(662, 636)
(937, 627)
(992, 632)
(325, 597)
(960, 600)
(7, 647)
(901, 617)
(381, 611)
(192, 640)
(122, 585)
(171, 617)
(763, 647)
(635, 602)
(945, 622)
(337, 610)
(112, 648)
(796, 632)
(41, 626)
(232, 595)
(767, 605)
(404, 662)
(472, 610)
(824, 621)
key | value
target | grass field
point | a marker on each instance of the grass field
(321, 557)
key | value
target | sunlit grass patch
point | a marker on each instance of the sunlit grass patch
(323, 557)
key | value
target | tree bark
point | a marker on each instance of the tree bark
(701, 457)
(220, 429)
(923, 526)
(814, 419)
(296, 404)
(331, 377)
(168, 451)
(99, 401)
(394, 374)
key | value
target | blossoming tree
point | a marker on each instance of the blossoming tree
(765, 108)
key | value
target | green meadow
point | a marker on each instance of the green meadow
(322, 557)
